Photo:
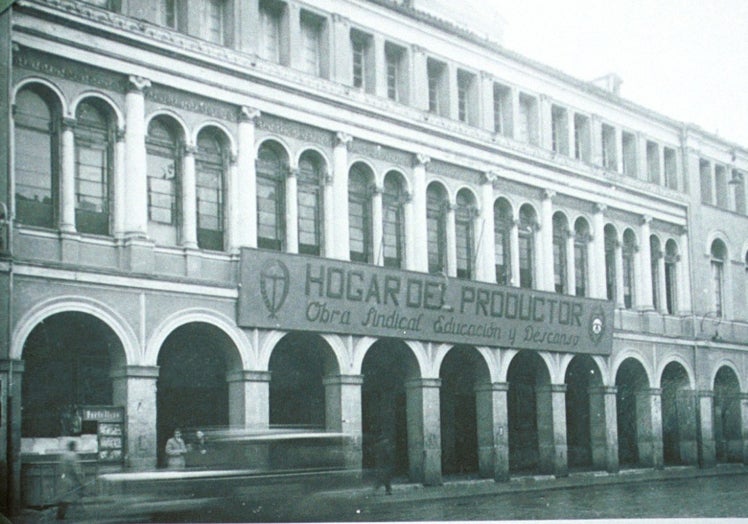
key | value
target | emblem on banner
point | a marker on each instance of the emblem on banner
(274, 280)
(597, 325)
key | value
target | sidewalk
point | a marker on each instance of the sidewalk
(457, 487)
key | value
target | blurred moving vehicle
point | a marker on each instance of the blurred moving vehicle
(240, 469)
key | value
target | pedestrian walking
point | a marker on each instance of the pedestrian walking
(175, 451)
(384, 465)
(71, 480)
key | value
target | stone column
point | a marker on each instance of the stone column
(67, 177)
(744, 424)
(451, 242)
(341, 69)
(493, 432)
(649, 427)
(684, 275)
(189, 199)
(136, 183)
(485, 270)
(328, 210)
(619, 149)
(410, 232)
(419, 79)
(551, 421)
(342, 250)
(118, 217)
(451, 85)
(11, 378)
(231, 206)
(424, 431)
(571, 263)
(292, 21)
(249, 399)
(246, 190)
(661, 289)
(134, 387)
(380, 66)
(515, 113)
(688, 427)
(544, 249)
(644, 282)
(620, 303)
(377, 228)
(292, 210)
(419, 240)
(343, 413)
(597, 253)
(514, 246)
(707, 446)
(596, 140)
(486, 113)
(571, 135)
(642, 171)
(604, 428)
(546, 131)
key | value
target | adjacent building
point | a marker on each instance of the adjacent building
(354, 215)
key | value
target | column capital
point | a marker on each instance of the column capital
(292, 172)
(343, 139)
(246, 375)
(233, 158)
(489, 177)
(485, 75)
(408, 196)
(8, 363)
(421, 159)
(654, 392)
(646, 220)
(417, 49)
(248, 114)
(190, 150)
(374, 189)
(548, 194)
(138, 83)
(683, 231)
(705, 393)
(603, 390)
(343, 380)
(338, 18)
(601, 208)
(416, 383)
(120, 134)
(494, 386)
(150, 372)
(325, 177)
(69, 123)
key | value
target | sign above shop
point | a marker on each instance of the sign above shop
(294, 292)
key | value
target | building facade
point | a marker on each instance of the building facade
(353, 215)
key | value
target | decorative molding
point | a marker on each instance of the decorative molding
(289, 128)
(190, 150)
(292, 172)
(489, 177)
(548, 194)
(646, 220)
(471, 176)
(68, 123)
(388, 154)
(343, 139)
(120, 134)
(194, 103)
(601, 208)
(75, 71)
(421, 160)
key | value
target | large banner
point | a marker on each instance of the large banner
(294, 292)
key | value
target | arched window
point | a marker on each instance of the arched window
(393, 215)
(360, 180)
(581, 244)
(611, 243)
(671, 276)
(560, 234)
(465, 234)
(719, 256)
(503, 222)
(629, 252)
(271, 212)
(36, 125)
(94, 151)
(164, 174)
(655, 254)
(211, 161)
(437, 205)
(310, 205)
(527, 227)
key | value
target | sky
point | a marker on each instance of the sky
(686, 59)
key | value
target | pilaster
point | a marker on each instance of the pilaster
(419, 79)
(493, 433)
(246, 192)
(420, 245)
(376, 225)
(292, 210)
(707, 446)
(118, 216)
(485, 271)
(340, 196)
(551, 422)
(451, 242)
(644, 288)
(343, 412)
(189, 199)
(134, 387)
(249, 399)
(649, 427)
(544, 251)
(684, 275)
(136, 186)
(604, 428)
(424, 430)
(597, 252)
(67, 177)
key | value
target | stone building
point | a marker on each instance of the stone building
(355, 215)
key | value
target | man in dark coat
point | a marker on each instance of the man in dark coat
(71, 480)
(384, 464)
